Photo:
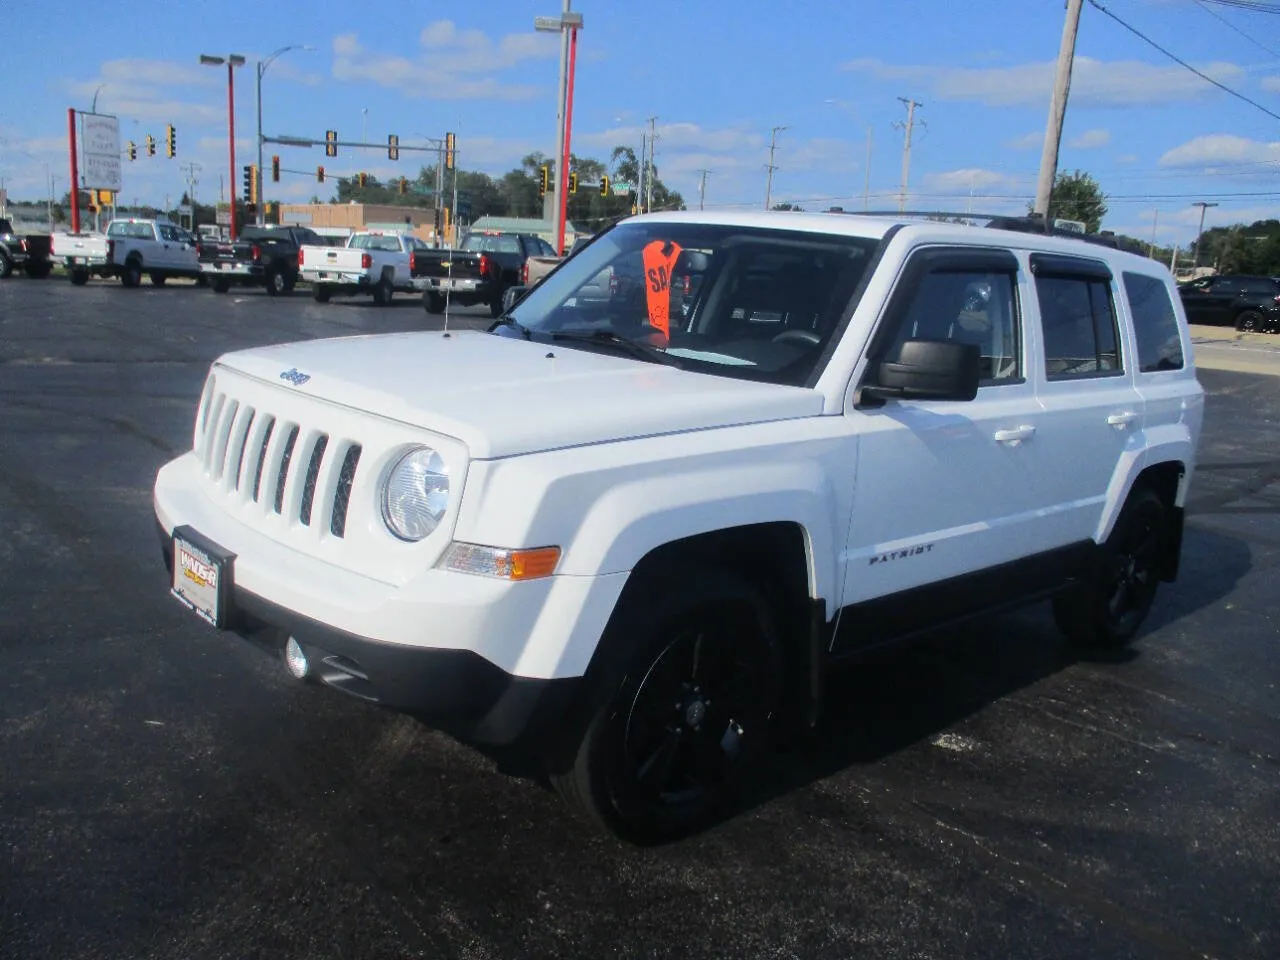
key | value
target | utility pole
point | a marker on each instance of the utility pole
(702, 189)
(1173, 259)
(640, 165)
(435, 207)
(909, 126)
(551, 202)
(866, 180)
(1057, 109)
(1154, 225)
(771, 166)
(1195, 260)
(653, 142)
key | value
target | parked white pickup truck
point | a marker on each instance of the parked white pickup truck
(83, 255)
(372, 262)
(154, 247)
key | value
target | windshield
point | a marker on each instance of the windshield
(742, 302)
(375, 241)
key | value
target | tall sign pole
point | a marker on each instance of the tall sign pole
(231, 140)
(75, 172)
(568, 131)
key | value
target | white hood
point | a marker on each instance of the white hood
(504, 396)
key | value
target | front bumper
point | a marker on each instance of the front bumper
(455, 691)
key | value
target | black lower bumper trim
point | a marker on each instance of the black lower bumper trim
(456, 691)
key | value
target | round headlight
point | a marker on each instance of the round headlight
(416, 494)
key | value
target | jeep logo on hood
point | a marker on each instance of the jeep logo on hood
(294, 376)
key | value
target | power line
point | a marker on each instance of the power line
(1256, 6)
(1204, 76)
(1218, 16)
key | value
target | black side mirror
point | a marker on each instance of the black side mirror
(513, 295)
(927, 370)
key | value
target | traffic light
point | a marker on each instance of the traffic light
(393, 147)
(248, 183)
(573, 183)
(544, 180)
(319, 174)
(450, 142)
(404, 186)
(275, 169)
(604, 185)
(364, 180)
(151, 145)
(331, 143)
(103, 198)
(133, 150)
(635, 203)
(170, 142)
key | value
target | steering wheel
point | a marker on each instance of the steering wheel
(806, 337)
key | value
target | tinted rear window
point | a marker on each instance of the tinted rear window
(1155, 326)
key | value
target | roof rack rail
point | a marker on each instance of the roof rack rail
(1029, 223)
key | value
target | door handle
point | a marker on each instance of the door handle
(1015, 435)
(1122, 420)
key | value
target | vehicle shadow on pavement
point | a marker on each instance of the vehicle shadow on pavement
(894, 699)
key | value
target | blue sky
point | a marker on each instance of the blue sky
(718, 74)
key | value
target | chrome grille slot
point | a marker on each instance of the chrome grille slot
(262, 456)
(313, 474)
(222, 438)
(283, 475)
(342, 495)
(240, 442)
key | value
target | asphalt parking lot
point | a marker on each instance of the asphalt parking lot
(168, 792)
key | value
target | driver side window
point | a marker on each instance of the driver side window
(967, 306)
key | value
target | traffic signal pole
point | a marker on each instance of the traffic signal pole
(563, 173)
(231, 141)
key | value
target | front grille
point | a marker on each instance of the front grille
(342, 496)
(257, 457)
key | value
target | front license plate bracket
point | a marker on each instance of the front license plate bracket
(203, 577)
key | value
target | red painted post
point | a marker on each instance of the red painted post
(75, 171)
(563, 172)
(231, 138)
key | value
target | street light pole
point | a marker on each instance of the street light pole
(564, 24)
(232, 61)
(262, 68)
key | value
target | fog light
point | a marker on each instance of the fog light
(295, 659)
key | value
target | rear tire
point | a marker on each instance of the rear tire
(685, 725)
(1249, 321)
(131, 276)
(275, 283)
(382, 293)
(221, 286)
(79, 277)
(157, 279)
(1106, 611)
(38, 269)
(495, 305)
(433, 302)
(321, 293)
(6, 266)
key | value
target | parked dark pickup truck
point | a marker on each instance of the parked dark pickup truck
(264, 256)
(26, 252)
(478, 271)
(1247, 303)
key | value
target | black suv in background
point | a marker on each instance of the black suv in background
(1247, 303)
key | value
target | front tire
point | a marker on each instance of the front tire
(157, 279)
(686, 725)
(1249, 321)
(1106, 611)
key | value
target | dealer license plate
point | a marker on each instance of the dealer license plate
(201, 576)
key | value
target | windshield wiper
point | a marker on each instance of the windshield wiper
(507, 320)
(608, 338)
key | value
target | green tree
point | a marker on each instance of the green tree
(788, 206)
(1077, 196)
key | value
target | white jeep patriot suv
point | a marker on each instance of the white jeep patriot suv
(623, 532)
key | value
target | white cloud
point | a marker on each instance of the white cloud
(1093, 82)
(977, 180)
(1221, 149)
(1028, 141)
(140, 89)
(678, 136)
(1127, 158)
(1090, 139)
(454, 64)
(1271, 84)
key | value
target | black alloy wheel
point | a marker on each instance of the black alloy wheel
(275, 283)
(1249, 321)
